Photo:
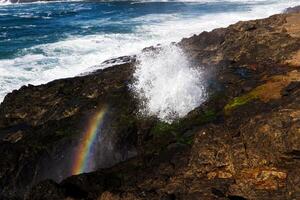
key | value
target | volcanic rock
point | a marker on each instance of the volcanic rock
(243, 143)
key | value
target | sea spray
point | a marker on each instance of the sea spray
(5, 2)
(167, 84)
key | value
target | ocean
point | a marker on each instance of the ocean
(44, 41)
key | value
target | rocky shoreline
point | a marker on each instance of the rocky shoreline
(242, 143)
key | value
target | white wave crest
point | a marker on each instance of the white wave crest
(167, 85)
(5, 2)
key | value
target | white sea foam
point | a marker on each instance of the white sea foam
(167, 84)
(76, 54)
(4, 2)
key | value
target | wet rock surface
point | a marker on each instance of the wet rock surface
(243, 143)
(41, 126)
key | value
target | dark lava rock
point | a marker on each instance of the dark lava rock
(40, 126)
(243, 143)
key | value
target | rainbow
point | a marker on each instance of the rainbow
(82, 153)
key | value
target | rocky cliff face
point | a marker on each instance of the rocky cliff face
(243, 143)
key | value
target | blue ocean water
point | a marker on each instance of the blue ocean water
(26, 25)
(40, 42)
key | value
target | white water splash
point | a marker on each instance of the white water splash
(167, 85)
(4, 2)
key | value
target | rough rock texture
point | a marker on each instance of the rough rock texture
(243, 143)
(41, 126)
